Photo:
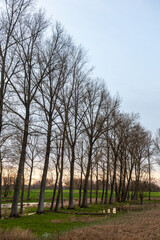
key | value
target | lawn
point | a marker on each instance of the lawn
(55, 223)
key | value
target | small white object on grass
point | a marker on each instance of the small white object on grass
(114, 210)
(108, 210)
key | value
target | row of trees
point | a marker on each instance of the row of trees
(53, 110)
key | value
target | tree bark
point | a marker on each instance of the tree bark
(96, 200)
(62, 196)
(91, 186)
(22, 194)
(30, 180)
(61, 172)
(14, 209)
(107, 177)
(80, 190)
(45, 169)
(124, 183)
(149, 185)
(128, 185)
(103, 186)
(113, 181)
(120, 182)
(71, 205)
(55, 189)
(0, 185)
(84, 202)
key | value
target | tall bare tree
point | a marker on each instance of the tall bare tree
(56, 54)
(73, 131)
(97, 106)
(25, 84)
(11, 13)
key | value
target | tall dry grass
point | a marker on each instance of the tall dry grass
(16, 234)
(134, 226)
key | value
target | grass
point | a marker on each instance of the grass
(50, 223)
(16, 233)
(53, 224)
(34, 195)
(96, 226)
(133, 226)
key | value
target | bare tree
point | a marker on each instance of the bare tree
(97, 106)
(25, 84)
(11, 14)
(73, 131)
(56, 54)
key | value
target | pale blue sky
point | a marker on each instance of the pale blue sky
(122, 38)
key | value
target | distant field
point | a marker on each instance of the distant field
(34, 195)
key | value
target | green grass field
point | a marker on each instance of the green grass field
(34, 195)
(54, 223)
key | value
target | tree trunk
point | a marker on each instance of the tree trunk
(135, 196)
(22, 194)
(96, 200)
(149, 184)
(107, 177)
(128, 185)
(71, 205)
(80, 190)
(102, 196)
(0, 185)
(1, 113)
(84, 202)
(120, 183)
(30, 180)
(14, 210)
(59, 193)
(113, 181)
(91, 186)
(61, 173)
(62, 196)
(2, 91)
(124, 183)
(45, 169)
(116, 193)
(55, 189)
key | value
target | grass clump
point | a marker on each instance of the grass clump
(17, 234)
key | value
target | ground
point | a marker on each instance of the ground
(132, 221)
(142, 225)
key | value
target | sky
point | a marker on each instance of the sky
(122, 39)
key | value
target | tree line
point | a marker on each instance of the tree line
(53, 109)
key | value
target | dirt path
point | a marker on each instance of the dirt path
(144, 225)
